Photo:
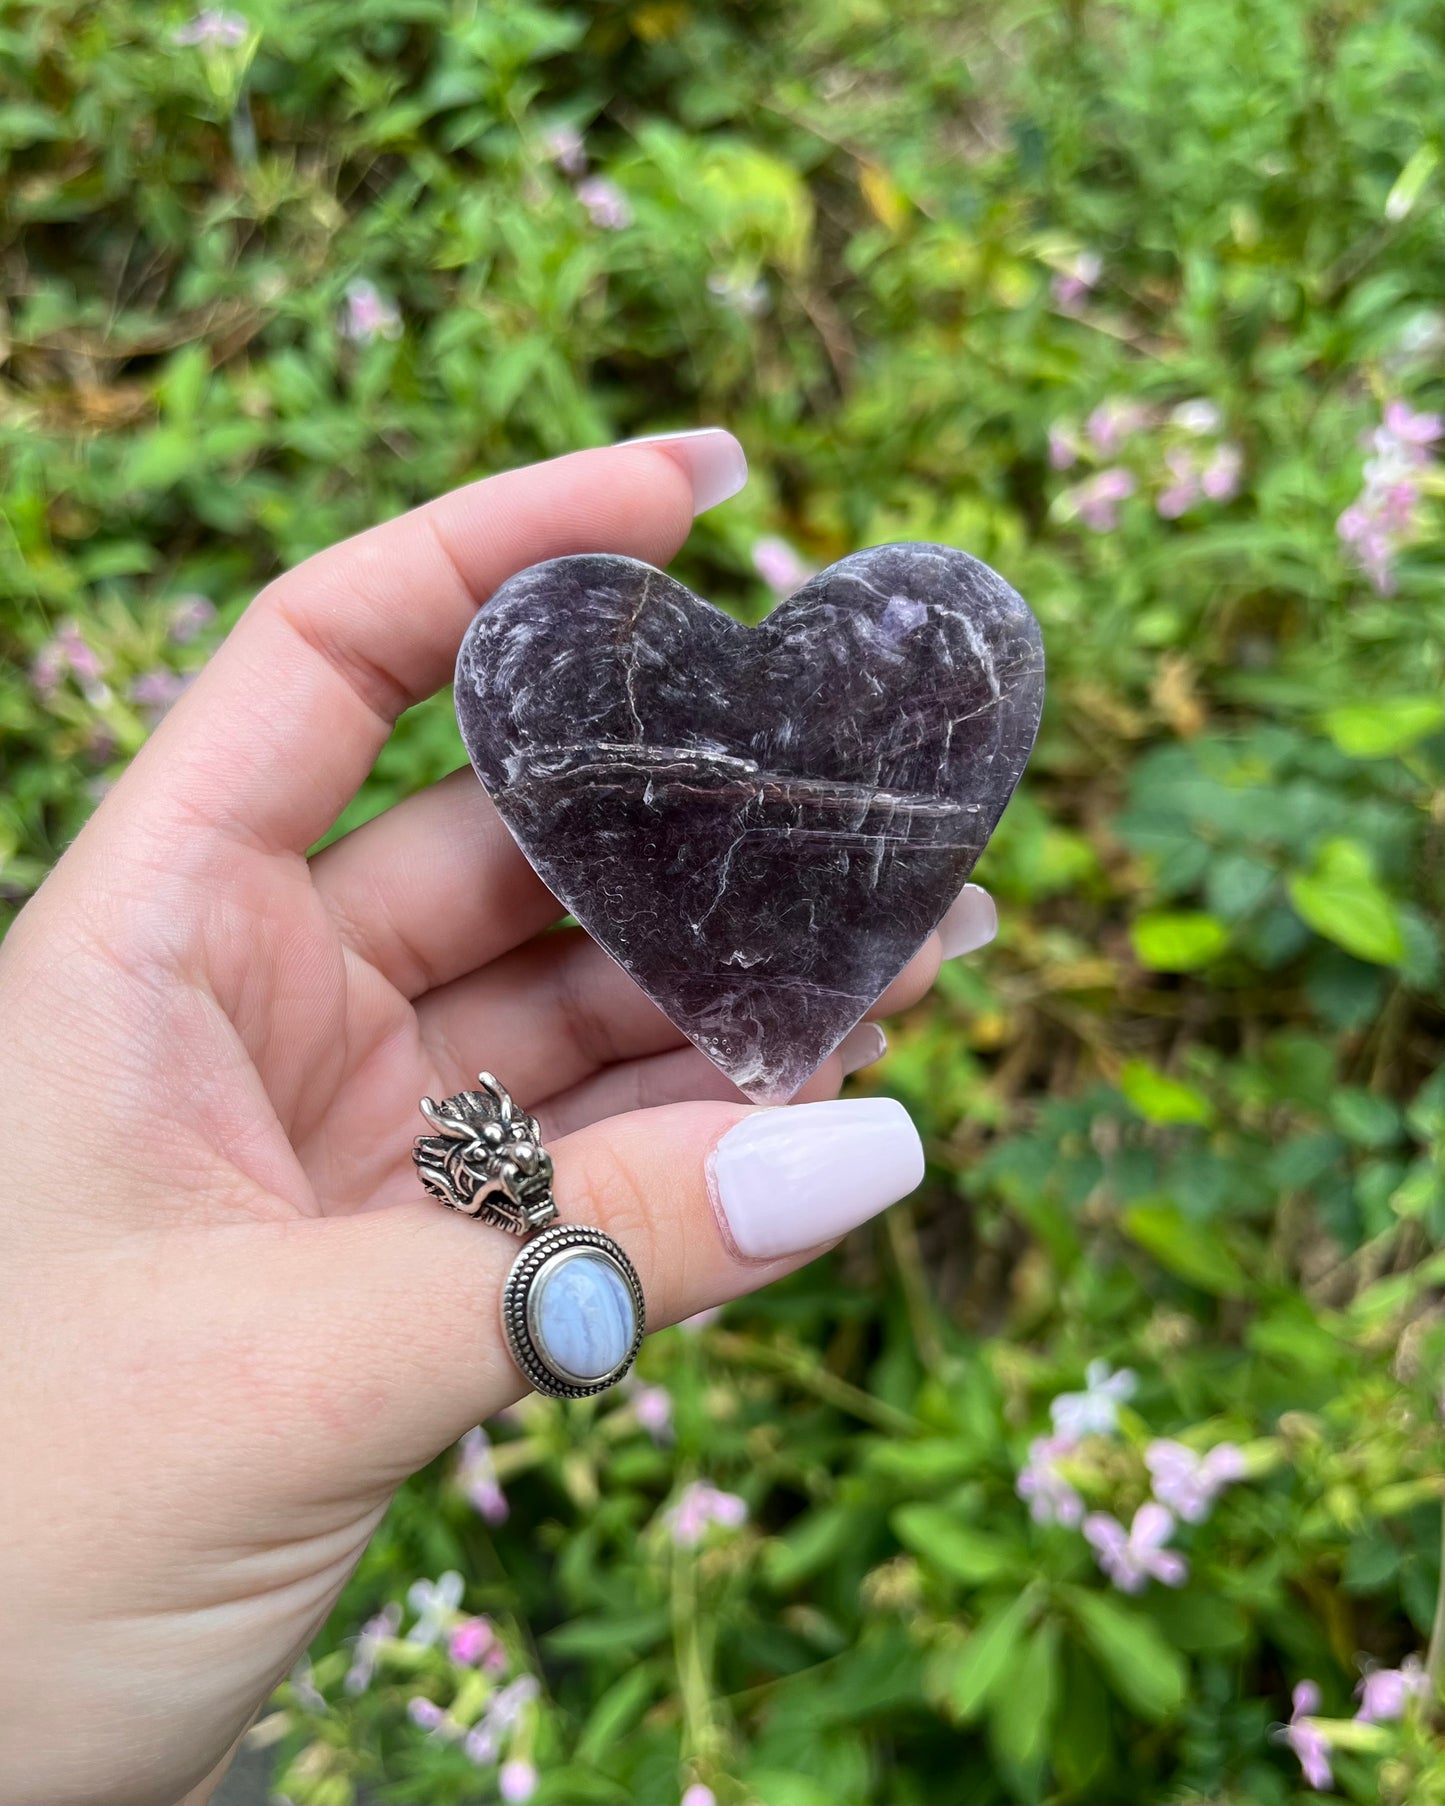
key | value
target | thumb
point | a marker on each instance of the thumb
(708, 1200)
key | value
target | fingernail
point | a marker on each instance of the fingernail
(716, 465)
(971, 922)
(786, 1180)
(861, 1046)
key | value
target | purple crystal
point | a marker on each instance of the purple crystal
(761, 825)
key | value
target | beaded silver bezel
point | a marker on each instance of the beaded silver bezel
(563, 1239)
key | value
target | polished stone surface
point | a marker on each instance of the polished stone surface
(580, 1316)
(762, 825)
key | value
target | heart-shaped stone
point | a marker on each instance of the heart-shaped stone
(761, 825)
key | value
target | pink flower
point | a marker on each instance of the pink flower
(1095, 1410)
(1382, 519)
(481, 1744)
(1413, 429)
(189, 618)
(1050, 1497)
(435, 1603)
(699, 1794)
(368, 315)
(652, 1406)
(212, 26)
(1096, 500)
(1385, 1693)
(470, 1641)
(1220, 477)
(1188, 1484)
(477, 1477)
(425, 1712)
(156, 690)
(698, 1506)
(70, 653)
(607, 206)
(1063, 446)
(564, 147)
(779, 565)
(1305, 1740)
(369, 1640)
(1132, 1558)
(1112, 422)
(517, 1781)
(1073, 284)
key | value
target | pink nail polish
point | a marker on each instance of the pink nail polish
(786, 1180)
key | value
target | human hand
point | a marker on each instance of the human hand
(231, 1324)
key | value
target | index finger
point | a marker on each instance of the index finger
(282, 727)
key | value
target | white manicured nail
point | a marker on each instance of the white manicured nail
(861, 1046)
(716, 465)
(786, 1180)
(971, 922)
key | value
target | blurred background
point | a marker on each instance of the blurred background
(1109, 1468)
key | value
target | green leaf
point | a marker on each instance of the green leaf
(1178, 940)
(616, 1713)
(1158, 1098)
(611, 1634)
(958, 1550)
(1022, 1710)
(1146, 1673)
(1185, 1247)
(966, 1674)
(1376, 730)
(1342, 900)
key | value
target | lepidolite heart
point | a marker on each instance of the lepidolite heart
(762, 825)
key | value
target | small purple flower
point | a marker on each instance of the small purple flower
(607, 206)
(1383, 517)
(470, 1640)
(779, 565)
(1076, 281)
(305, 1687)
(425, 1712)
(1410, 428)
(213, 26)
(1305, 1740)
(699, 1794)
(1095, 1410)
(1220, 477)
(156, 690)
(698, 1506)
(482, 1744)
(1050, 1497)
(509, 1702)
(1113, 422)
(477, 1477)
(1063, 446)
(1131, 1558)
(652, 1407)
(1188, 1484)
(368, 315)
(1385, 1693)
(1096, 500)
(189, 618)
(563, 146)
(369, 1639)
(517, 1781)
(435, 1603)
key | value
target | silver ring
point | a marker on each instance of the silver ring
(573, 1312)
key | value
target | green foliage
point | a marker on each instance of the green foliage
(1187, 1116)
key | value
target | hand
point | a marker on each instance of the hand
(231, 1323)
